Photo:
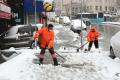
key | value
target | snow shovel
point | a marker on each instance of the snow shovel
(60, 55)
(81, 46)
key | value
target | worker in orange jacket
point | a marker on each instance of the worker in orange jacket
(46, 39)
(92, 37)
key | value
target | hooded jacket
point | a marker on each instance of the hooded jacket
(93, 34)
(47, 37)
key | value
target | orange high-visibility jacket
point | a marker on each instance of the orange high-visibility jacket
(91, 36)
(47, 37)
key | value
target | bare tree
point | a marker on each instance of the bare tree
(67, 10)
(118, 4)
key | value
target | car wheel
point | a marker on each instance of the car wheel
(112, 55)
(33, 46)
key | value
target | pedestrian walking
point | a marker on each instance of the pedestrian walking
(46, 39)
(92, 37)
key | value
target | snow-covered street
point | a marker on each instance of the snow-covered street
(59, 39)
(84, 66)
(93, 65)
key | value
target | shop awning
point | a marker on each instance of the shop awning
(5, 15)
(5, 11)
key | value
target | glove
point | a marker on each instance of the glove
(88, 39)
(50, 45)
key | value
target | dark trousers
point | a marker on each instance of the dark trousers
(51, 50)
(95, 43)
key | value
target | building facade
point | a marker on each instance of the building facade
(5, 16)
(105, 6)
(17, 13)
(34, 12)
(118, 7)
(72, 7)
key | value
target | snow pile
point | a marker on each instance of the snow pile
(64, 36)
(81, 66)
(93, 65)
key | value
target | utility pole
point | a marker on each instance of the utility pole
(81, 24)
(35, 24)
(35, 12)
(71, 10)
(61, 6)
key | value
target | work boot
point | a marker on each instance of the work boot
(89, 48)
(77, 50)
(40, 61)
(55, 62)
(85, 51)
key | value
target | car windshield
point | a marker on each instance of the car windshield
(11, 31)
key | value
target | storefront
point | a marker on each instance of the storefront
(29, 11)
(5, 16)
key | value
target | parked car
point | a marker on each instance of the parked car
(115, 46)
(17, 36)
(110, 33)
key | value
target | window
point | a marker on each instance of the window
(90, 16)
(96, 8)
(112, 8)
(109, 8)
(72, 13)
(106, 8)
(100, 8)
(72, 8)
(87, 7)
(90, 7)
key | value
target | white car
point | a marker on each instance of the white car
(115, 46)
(110, 37)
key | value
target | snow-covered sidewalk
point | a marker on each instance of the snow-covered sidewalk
(92, 66)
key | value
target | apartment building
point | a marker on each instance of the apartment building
(105, 6)
(72, 7)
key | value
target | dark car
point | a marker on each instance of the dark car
(18, 36)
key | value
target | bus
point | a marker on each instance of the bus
(91, 17)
